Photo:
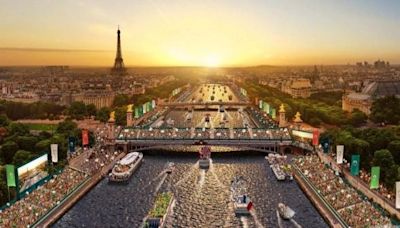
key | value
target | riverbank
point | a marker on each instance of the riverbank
(57, 212)
(323, 208)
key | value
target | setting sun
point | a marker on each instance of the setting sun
(212, 61)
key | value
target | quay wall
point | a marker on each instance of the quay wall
(322, 208)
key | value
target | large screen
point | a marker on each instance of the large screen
(32, 172)
(303, 134)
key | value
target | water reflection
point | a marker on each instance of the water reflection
(202, 196)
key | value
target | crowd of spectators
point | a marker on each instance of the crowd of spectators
(354, 208)
(35, 204)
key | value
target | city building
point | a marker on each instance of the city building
(374, 90)
(298, 88)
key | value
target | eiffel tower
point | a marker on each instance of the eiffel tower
(119, 68)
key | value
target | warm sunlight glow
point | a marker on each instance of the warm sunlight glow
(212, 61)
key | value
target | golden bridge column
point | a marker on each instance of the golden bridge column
(129, 120)
(111, 126)
(282, 116)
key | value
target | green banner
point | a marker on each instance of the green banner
(10, 171)
(136, 112)
(273, 113)
(140, 111)
(260, 104)
(266, 107)
(149, 108)
(355, 165)
(375, 172)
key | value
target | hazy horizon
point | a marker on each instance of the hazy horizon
(199, 33)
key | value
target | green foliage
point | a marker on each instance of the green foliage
(8, 149)
(21, 157)
(77, 110)
(358, 118)
(18, 129)
(41, 127)
(384, 159)
(376, 146)
(26, 142)
(120, 100)
(394, 148)
(386, 110)
(66, 127)
(103, 114)
(161, 205)
(120, 116)
(4, 121)
(91, 110)
(329, 98)
(37, 110)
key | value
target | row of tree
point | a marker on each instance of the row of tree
(19, 146)
(37, 110)
(376, 147)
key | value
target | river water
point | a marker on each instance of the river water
(202, 196)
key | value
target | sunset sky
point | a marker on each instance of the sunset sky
(206, 33)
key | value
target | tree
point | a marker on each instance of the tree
(8, 150)
(384, 159)
(43, 146)
(18, 129)
(120, 100)
(120, 116)
(394, 148)
(66, 127)
(91, 110)
(77, 110)
(357, 118)
(103, 114)
(386, 110)
(4, 121)
(26, 142)
(21, 157)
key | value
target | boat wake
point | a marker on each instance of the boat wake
(255, 218)
(191, 170)
(202, 178)
(245, 222)
(160, 183)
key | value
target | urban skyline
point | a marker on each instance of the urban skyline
(234, 33)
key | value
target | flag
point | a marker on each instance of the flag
(54, 152)
(339, 153)
(10, 171)
(375, 172)
(325, 144)
(273, 113)
(85, 137)
(144, 108)
(149, 107)
(71, 144)
(250, 206)
(316, 138)
(136, 112)
(260, 104)
(355, 164)
(397, 194)
(153, 104)
(140, 111)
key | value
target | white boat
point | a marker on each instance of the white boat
(125, 167)
(241, 201)
(275, 161)
(170, 167)
(285, 211)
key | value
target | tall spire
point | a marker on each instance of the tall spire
(119, 68)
